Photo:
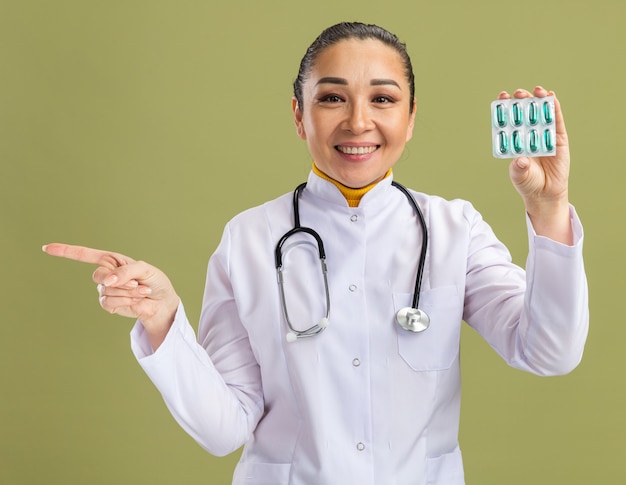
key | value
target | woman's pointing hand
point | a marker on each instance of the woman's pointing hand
(127, 287)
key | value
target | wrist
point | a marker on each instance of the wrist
(158, 325)
(551, 219)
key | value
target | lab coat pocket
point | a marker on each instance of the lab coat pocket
(263, 473)
(446, 469)
(436, 347)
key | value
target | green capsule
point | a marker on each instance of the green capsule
(500, 116)
(518, 116)
(503, 143)
(547, 140)
(547, 112)
(532, 141)
(533, 113)
(516, 141)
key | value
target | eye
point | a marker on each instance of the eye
(383, 100)
(330, 98)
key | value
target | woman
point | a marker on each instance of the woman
(363, 400)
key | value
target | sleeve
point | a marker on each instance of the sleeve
(214, 394)
(538, 319)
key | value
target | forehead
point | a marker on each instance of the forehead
(356, 59)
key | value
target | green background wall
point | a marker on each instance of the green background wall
(143, 126)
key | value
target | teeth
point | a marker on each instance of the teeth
(356, 150)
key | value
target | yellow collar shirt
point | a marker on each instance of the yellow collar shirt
(364, 402)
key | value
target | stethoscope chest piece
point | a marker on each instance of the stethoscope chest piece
(413, 319)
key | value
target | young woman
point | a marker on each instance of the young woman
(330, 376)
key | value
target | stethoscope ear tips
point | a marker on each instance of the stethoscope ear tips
(314, 330)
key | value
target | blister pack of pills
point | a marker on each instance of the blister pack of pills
(523, 127)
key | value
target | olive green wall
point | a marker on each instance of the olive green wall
(143, 126)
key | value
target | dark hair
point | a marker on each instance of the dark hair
(351, 30)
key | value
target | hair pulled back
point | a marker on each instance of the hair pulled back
(351, 30)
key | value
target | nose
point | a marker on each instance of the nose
(359, 117)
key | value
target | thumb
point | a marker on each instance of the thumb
(518, 170)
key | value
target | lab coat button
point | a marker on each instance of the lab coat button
(352, 288)
(356, 362)
(354, 218)
(360, 446)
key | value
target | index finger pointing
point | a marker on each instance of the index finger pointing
(87, 255)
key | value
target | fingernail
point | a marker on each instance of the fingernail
(99, 288)
(110, 280)
(44, 247)
(145, 290)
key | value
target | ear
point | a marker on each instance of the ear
(297, 118)
(409, 130)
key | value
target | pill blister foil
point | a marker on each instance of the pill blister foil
(523, 127)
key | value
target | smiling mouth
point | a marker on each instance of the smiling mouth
(357, 150)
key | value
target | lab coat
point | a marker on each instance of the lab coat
(364, 402)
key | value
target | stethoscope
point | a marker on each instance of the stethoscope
(409, 318)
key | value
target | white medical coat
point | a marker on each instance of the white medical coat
(364, 402)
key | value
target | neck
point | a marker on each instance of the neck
(353, 196)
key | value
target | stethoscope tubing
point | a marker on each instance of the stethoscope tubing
(424, 249)
(317, 328)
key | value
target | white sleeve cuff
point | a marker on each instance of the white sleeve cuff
(139, 341)
(577, 230)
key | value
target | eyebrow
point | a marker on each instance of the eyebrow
(344, 82)
(383, 82)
